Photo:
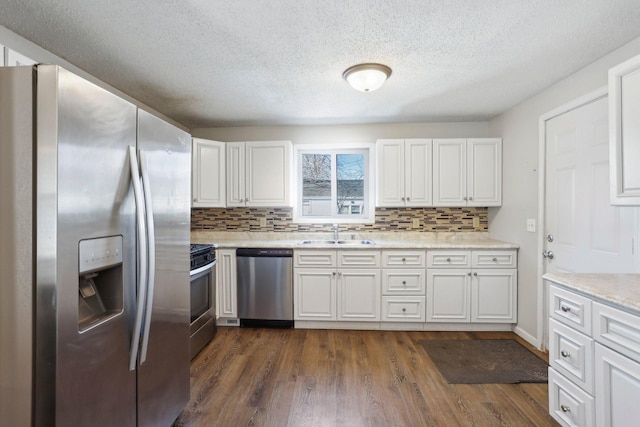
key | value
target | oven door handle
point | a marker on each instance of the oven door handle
(203, 269)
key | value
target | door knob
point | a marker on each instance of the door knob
(547, 254)
(549, 238)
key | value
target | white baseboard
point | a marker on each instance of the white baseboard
(526, 336)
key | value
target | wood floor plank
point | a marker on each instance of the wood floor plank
(296, 377)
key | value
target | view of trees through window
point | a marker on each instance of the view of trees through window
(333, 184)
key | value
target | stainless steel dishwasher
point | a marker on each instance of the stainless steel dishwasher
(265, 287)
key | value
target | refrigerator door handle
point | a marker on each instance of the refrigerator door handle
(151, 254)
(142, 257)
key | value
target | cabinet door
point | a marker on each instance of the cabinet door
(268, 168)
(227, 297)
(390, 173)
(494, 296)
(208, 174)
(448, 295)
(15, 59)
(418, 172)
(449, 172)
(235, 174)
(484, 172)
(315, 294)
(359, 295)
(617, 389)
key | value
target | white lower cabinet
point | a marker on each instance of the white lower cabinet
(594, 374)
(337, 285)
(227, 297)
(403, 286)
(472, 286)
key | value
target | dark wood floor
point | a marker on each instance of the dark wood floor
(296, 377)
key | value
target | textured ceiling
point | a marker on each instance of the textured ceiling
(211, 63)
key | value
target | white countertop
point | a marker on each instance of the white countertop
(387, 240)
(622, 290)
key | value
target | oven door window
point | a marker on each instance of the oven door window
(200, 295)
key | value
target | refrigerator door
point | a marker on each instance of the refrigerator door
(163, 377)
(86, 259)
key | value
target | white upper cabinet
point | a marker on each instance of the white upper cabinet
(404, 172)
(15, 59)
(259, 173)
(624, 132)
(2, 55)
(208, 174)
(467, 172)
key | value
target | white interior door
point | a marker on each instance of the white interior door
(587, 233)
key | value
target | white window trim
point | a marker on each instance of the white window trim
(299, 149)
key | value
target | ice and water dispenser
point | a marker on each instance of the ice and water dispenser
(100, 281)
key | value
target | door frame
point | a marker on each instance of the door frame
(602, 92)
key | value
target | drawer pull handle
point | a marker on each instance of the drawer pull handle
(495, 260)
(564, 353)
(565, 308)
(565, 408)
(448, 259)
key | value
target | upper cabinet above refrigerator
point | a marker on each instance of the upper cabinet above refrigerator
(624, 132)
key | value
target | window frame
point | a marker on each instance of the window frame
(368, 150)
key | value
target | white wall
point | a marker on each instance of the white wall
(345, 133)
(518, 127)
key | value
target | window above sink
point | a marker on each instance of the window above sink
(334, 184)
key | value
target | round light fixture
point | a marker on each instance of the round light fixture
(366, 77)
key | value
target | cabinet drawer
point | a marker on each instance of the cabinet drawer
(403, 281)
(314, 259)
(402, 309)
(359, 258)
(398, 259)
(569, 404)
(570, 308)
(494, 259)
(617, 329)
(444, 259)
(571, 354)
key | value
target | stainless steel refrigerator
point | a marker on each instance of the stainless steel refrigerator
(94, 256)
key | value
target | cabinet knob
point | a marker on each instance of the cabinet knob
(195, 200)
(565, 354)
(404, 282)
(334, 273)
(448, 259)
(404, 260)
(403, 199)
(408, 198)
(466, 198)
(495, 260)
(565, 309)
(469, 274)
(475, 274)
(404, 309)
(470, 198)
(565, 408)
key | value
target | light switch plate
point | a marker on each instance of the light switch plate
(531, 225)
(263, 222)
(476, 222)
(416, 222)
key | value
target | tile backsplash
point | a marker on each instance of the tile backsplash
(386, 219)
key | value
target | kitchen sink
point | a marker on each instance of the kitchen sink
(337, 242)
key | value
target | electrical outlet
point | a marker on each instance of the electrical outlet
(476, 222)
(531, 225)
(263, 222)
(416, 222)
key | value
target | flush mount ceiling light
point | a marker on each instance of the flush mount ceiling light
(366, 77)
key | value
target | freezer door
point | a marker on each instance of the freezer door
(85, 256)
(163, 378)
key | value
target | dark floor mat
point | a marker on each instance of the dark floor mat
(485, 361)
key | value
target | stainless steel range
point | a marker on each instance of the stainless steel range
(203, 296)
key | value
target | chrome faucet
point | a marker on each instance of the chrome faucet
(335, 231)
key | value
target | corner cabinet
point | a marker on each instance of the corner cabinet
(208, 174)
(624, 132)
(594, 358)
(404, 175)
(259, 174)
(467, 172)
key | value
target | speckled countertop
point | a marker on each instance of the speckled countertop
(382, 240)
(622, 290)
